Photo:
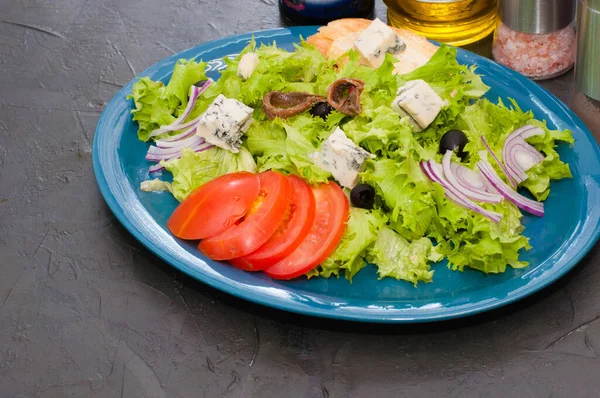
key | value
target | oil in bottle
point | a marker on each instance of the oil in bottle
(456, 22)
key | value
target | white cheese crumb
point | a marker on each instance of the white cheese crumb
(224, 123)
(341, 157)
(248, 63)
(417, 101)
(377, 40)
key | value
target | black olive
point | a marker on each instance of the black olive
(363, 196)
(454, 139)
(321, 109)
(200, 83)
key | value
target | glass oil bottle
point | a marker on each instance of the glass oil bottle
(457, 22)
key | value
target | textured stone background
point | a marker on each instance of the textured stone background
(85, 311)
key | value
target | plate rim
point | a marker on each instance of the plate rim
(286, 304)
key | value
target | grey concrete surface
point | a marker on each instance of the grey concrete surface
(86, 311)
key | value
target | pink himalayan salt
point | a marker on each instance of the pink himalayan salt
(535, 56)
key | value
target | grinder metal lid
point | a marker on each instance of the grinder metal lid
(537, 16)
(587, 64)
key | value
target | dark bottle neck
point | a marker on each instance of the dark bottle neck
(317, 14)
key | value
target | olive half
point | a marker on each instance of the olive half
(454, 139)
(363, 196)
(321, 109)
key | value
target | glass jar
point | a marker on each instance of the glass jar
(456, 22)
(537, 56)
(535, 38)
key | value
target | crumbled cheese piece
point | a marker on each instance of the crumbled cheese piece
(417, 101)
(224, 123)
(377, 40)
(248, 63)
(341, 157)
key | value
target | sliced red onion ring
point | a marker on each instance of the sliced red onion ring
(519, 156)
(489, 149)
(157, 157)
(536, 155)
(473, 178)
(180, 136)
(530, 206)
(152, 150)
(155, 168)
(435, 172)
(459, 202)
(194, 94)
(189, 141)
(436, 175)
(191, 123)
(524, 132)
(177, 124)
(158, 166)
(468, 185)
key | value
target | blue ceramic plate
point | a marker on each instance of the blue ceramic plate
(560, 239)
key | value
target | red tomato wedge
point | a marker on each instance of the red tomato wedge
(215, 206)
(290, 233)
(261, 222)
(325, 234)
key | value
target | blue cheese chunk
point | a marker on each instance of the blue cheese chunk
(377, 40)
(341, 157)
(417, 101)
(248, 63)
(224, 123)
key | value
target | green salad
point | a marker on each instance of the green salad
(416, 219)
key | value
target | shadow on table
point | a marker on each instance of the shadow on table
(375, 328)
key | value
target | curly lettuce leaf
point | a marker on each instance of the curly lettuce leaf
(469, 239)
(445, 75)
(193, 169)
(299, 143)
(406, 192)
(284, 145)
(396, 257)
(158, 105)
(186, 73)
(304, 69)
(380, 84)
(497, 122)
(349, 256)
(552, 167)
(266, 143)
(153, 107)
(419, 208)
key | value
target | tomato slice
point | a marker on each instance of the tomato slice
(322, 239)
(215, 206)
(290, 233)
(265, 216)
